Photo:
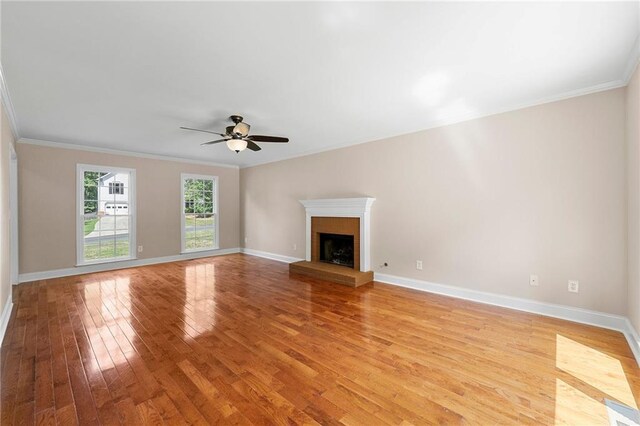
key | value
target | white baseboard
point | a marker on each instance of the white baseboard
(6, 314)
(569, 313)
(633, 339)
(272, 256)
(585, 316)
(88, 269)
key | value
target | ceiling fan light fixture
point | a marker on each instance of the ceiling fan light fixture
(237, 145)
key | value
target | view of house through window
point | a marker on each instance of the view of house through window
(116, 188)
(199, 222)
(105, 230)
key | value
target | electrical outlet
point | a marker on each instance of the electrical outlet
(574, 286)
(140, 248)
(419, 265)
(533, 280)
(295, 247)
(246, 239)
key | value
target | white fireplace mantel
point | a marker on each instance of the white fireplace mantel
(343, 207)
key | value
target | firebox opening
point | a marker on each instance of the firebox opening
(336, 249)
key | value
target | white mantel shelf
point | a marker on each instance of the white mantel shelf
(343, 207)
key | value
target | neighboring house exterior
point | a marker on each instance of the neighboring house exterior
(112, 194)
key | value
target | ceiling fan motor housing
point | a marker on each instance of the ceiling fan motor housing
(240, 129)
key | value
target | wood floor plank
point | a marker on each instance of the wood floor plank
(238, 340)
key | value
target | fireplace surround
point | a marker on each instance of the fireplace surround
(347, 216)
(343, 217)
(348, 227)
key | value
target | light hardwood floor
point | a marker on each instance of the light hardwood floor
(236, 339)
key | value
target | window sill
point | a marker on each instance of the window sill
(99, 262)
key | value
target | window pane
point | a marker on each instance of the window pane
(91, 250)
(90, 207)
(205, 242)
(91, 185)
(202, 244)
(204, 233)
(121, 209)
(189, 220)
(90, 225)
(208, 197)
(122, 224)
(106, 224)
(106, 215)
(199, 206)
(107, 247)
(204, 220)
(189, 206)
(204, 238)
(122, 245)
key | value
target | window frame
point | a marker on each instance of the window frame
(216, 213)
(80, 169)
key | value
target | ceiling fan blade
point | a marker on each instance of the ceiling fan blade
(212, 142)
(252, 145)
(204, 131)
(261, 138)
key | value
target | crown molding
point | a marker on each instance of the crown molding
(610, 85)
(61, 145)
(8, 105)
(632, 63)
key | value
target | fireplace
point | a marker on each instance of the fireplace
(336, 249)
(338, 238)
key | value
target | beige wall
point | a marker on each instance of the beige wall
(47, 193)
(6, 141)
(482, 203)
(633, 187)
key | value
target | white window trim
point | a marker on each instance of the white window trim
(80, 169)
(216, 213)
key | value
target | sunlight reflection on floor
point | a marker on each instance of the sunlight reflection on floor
(579, 361)
(200, 306)
(572, 405)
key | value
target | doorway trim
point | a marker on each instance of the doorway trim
(13, 216)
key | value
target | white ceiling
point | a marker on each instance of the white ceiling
(126, 75)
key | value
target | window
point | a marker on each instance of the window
(199, 218)
(106, 214)
(116, 188)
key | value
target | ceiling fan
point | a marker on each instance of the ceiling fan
(237, 137)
